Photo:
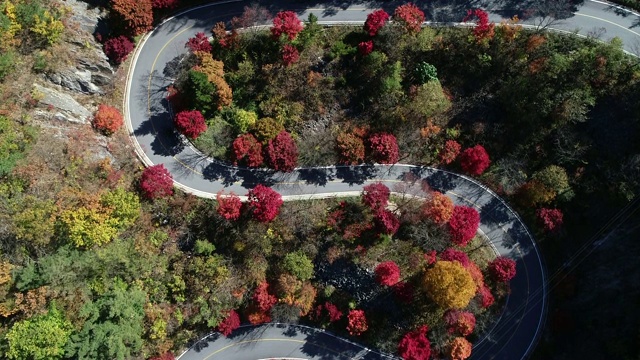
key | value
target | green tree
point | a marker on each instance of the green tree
(40, 337)
(553, 177)
(34, 222)
(299, 265)
(243, 120)
(200, 92)
(125, 206)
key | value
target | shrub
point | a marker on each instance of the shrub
(357, 322)
(190, 123)
(450, 152)
(117, 49)
(375, 196)
(384, 148)
(463, 225)
(387, 273)
(550, 219)
(247, 150)
(502, 269)
(265, 202)
(229, 206)
(137, 16)
(414, 345)
(200, 42)
(365, 48)
(156, 182)
(475, 160)
(460, 349)
(287, 23)
(438, 208)
(351, 148)
(449, 285)
(230, 323)
(290, 55)
(7, 63)
(282, 152)
(410, 16)
(107, 119)
(375, 22)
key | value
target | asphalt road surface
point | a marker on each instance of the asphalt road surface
(149, 122)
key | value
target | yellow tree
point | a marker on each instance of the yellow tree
(449, 284)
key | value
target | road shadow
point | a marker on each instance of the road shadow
(356, 174)
(495, 212)
(316, 176)
(218, 172)
(319, 345)
(442, 181)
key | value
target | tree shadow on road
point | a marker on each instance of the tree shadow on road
(316, 176)
(495, 212)
(442, 181)
(357, 174)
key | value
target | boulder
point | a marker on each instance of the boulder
(69, 108)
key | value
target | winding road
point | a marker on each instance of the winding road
(149, 123)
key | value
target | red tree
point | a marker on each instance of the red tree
(357, 322)
(450, 152)
(351, 148)
(375, 22)
(410, 16)
(438, 208)
(329, 310)
(384, 148)
(262, 299)
(475, 160)
(190, 123)
(404, 292)
(431, 257)
(164, 4)
(375, 196)
(365, 48)
(247, 149)
(387, 221)
(502, 269)
(286, 22)
(229, 206)
(483, 29)
(137, 16)
(463, 225)
(200, 42)
(387, 273)
(485, 297)
(455, 255)
(290, 55)
(414, 345)
(265, 203)
(165, 356)
(550, 219)
(118, 48)
(230, 323)
(460, 322)
(107, 119)
(282, 152)
(460, 349)
(156, 182)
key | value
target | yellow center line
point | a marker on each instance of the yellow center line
(610, 22)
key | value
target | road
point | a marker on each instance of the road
(149, 123)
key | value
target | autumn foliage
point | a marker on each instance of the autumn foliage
(265, 203)
(107, 119)
(357, 322)
(190, 123)
(282, 152)
(387, 273)
(384, 148)
(376, 196)
(455, 255)
(410, 16)
(287, 23)
(449, 284)
(200, 42)
(165, 356)
(475, 160)
(247, 150)
(229, 206)
(156, 182)
(137, 16)
(375, 22)
(438, 208)
(327, 310)
(365, 48)
(118, 48)
(230, 323)
(484, 30)
(387, 221)
(463, 225)
(460, 349)
(485, 296)
(502, 269)
(290, 55)
(262, 299)
(164, 4)
(550, 219)
(460, 322)
(414, 345)
(449, 152)
(351, 148)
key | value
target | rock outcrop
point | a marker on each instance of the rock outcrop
(68, 109)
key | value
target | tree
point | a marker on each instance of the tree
(449, 285)
(247, 150)
(502, 269)
(534, 193)
(438, 208)
(118, 48)
(387, 273)
(219, 90)
(425, 72)
(460, 349)
(463, 225)
(123, 205)
(107, 119)
(243, 120)
(553, 177)
(199, 91)
(387, 221)
(230, 323)
(166, 356)
(287, 23)
(449, 152)
(40, 337)
(375, 22)
(290, 54)
(200, 42)
(164, 4)
(262, 299)
(190, 123)
(384, 148)
(357, 322)
(137, 16)
(484, 30)
(414, 345)
(550, 219)
(298, 264)
(282, 152)
(351, 148)
(266, 129)
(228, 206)
(475, 160)
(265, 203)
(486, 299)
(365, 48)
(455, 255)
(376, 196)
(156, 182)
(460, 322)
(410, 16)
(328, 310)
(86, 226)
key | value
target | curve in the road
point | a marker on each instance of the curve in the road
(149, 123)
